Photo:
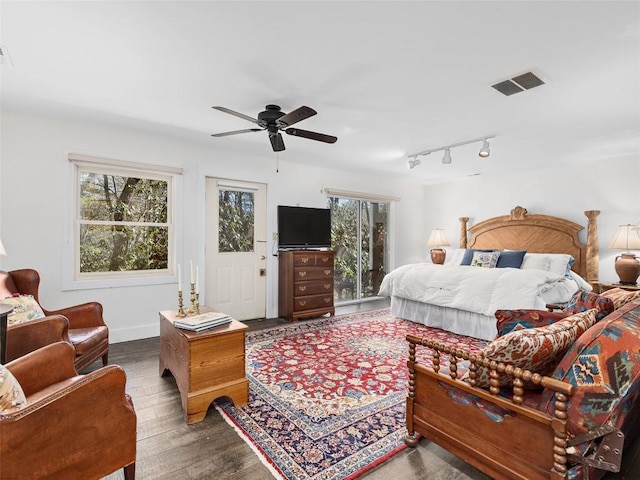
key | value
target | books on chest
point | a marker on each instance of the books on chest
(203, 321)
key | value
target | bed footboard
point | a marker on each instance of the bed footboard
(500, 436)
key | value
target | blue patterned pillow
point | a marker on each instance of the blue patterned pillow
(468, 255)
(485, 259)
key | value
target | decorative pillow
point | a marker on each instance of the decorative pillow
(510, 320)
(620, 297)
(511, 258)
(536, 349)
(485, 259)
(468, 255)
(582, 301)
(25, 308)
(557, 263)
(11, 394)
(535, 261)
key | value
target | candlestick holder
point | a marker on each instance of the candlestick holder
(181, 312)
(194, 306)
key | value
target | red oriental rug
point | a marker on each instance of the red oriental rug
(327, 396)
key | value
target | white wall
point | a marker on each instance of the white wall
(34, 203)
(609, 185)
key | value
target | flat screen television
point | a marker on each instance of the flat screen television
(303, 227)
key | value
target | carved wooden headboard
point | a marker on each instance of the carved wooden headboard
(538, 234)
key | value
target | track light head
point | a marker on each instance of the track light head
(484, 151)
(447, 157)
(413, 163)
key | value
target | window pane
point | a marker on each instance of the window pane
(344, 238)
(106, 248)
(236, 221)
(374, 246)
(122, 199)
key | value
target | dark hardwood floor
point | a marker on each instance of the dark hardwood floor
(168, 448)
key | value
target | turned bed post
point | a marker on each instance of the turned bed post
(411, 438)
(593, 255)
(463, 231)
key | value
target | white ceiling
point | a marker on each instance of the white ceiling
(387, 78)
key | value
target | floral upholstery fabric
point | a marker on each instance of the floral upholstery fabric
(583, 301)
(25, 309)
(11, 394)
(604, 366)
(510, 320)
(621, 297)
(485, 259)
(536, 349)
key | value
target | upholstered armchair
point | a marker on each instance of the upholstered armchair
(86, 330)
(72, 426)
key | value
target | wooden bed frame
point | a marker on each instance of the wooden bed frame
(538, 234)
(517, 442)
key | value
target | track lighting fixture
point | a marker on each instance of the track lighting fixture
(413, 163)
(484, 151)
(446, 159)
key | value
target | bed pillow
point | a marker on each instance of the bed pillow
(582, 301)
(485, 259)
(620, 297)
(455, 256)
(11, 393)
(536, 349)
(511, 258)
(557, 263)
(25, 309)
(511, 320)
(468, 255)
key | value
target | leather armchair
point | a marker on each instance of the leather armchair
(86, 330)
(73, 426)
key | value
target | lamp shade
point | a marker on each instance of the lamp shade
(627, 266)
(437, 239)
(627, 237)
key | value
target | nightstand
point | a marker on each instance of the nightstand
(603, 287)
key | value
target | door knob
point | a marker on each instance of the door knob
(262, 257)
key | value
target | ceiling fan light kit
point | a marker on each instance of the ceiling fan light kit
(446, 159)
(274, 121)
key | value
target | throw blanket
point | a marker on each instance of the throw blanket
(474, 289)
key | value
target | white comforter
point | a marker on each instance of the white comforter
(474, 289)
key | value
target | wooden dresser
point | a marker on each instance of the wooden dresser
(305, 284)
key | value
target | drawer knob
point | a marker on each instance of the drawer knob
(327, 300)
(302, 288)
(302, 303)
(304, 260)
(327, 286)
(302, 274)
(327, 272)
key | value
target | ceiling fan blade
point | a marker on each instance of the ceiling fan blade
(276, 142)
(236, 114)
(235, 132)
(294, 117)
(321, 137)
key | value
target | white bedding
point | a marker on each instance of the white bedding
(478, 290)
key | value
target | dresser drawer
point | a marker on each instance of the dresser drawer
(312, 273)
(313, 301)
(313, 259)
(313, 288)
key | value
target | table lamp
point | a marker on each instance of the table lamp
(437, 240)
(627, 265)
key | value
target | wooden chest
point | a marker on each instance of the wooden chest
(305, 284)
(206, 365)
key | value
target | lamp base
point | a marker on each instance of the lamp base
(628, 268)
(438, 255)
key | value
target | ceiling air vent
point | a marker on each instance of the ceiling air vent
(517, 84)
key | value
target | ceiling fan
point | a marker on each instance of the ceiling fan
(274, 120)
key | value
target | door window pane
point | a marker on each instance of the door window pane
(236, 221)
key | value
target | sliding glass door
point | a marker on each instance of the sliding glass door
(359, 235)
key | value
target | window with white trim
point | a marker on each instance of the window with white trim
(124, 220)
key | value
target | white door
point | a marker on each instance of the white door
(236, 248)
